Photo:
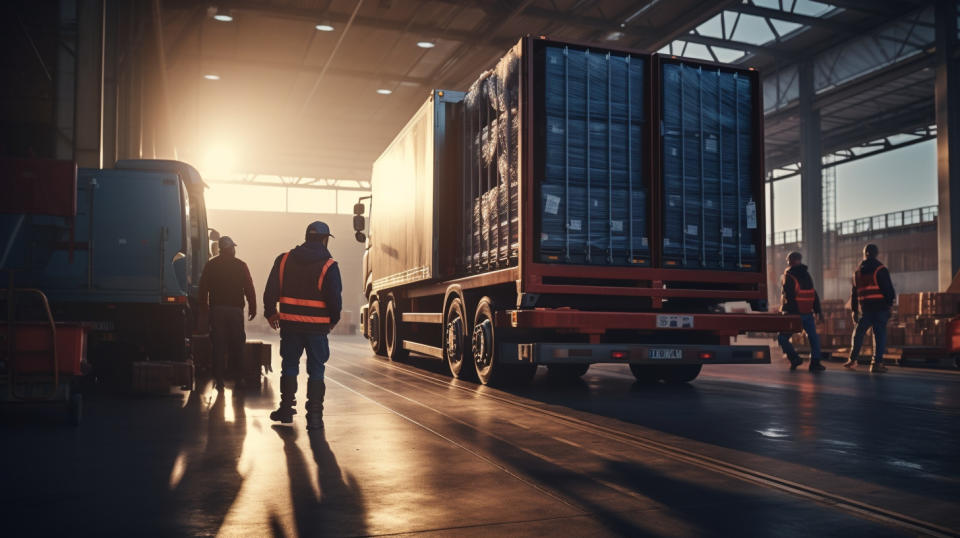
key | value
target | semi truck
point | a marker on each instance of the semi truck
(576, 205)
(122, 255)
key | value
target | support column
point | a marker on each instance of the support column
(88, 114)
(947, 96)
(811, 181)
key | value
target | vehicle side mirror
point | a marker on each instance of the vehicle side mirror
(361, 237)
(358, 209)
(359, 223)
(214, 235)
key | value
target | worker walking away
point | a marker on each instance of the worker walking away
(224, 284)
(306, 284)
(871, 300)
(799, 297)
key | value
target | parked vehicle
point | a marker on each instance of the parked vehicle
(127, 264)
(577, 205)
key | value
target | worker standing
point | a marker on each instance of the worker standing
(224, 284)
(799, 297)
(306, 284)
(871, 300)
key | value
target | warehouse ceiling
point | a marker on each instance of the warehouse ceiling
(291, 99)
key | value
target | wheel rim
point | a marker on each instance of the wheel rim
(452, 341)
(482, 340)
(375, 329)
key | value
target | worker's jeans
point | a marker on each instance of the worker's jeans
(228, 336)
(292, 346)
(809, 327)
(878, 322)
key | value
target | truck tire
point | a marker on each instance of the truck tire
(455, 341)
(567, 371)
(483, 343)
(392, 333)
(376, 328)
(483, 347)
(681, 373)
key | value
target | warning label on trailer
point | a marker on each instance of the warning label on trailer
(751, 215)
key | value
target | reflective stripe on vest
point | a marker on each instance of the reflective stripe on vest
(303, 302)
(868, 290)
(804, 298)
(303, 319)
(303, 309)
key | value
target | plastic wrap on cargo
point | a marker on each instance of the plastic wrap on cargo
(710, 209)
(594, 199)
(492, 122)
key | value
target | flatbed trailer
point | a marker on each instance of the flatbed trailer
(467, 261)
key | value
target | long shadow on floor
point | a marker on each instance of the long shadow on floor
(338, 508)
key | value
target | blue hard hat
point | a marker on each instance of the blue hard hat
(319, 228)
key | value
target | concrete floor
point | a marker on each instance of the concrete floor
(406, 450)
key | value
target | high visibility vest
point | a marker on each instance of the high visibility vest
(804, 297)
(868, 289)
(302, 304)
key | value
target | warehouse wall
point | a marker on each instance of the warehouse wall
(261, 236)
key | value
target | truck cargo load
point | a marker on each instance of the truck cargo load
(575, 205)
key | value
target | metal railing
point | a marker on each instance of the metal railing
(886, 221)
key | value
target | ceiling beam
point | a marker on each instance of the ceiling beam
(298, 67)
(796, 18)
(737, 45)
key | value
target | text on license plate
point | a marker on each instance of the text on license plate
(674, 321)
(660, 353)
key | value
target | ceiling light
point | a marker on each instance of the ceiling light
(615, 36)
(324, 27)
(211, 76)
(222, 15)
(426, 44)
(384, 91)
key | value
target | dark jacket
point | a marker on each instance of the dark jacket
(867, 267)
(226, 280)
(788, 292)
(307, 253)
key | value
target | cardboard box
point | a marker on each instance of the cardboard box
(156, 377)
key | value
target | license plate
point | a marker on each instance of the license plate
(665, 354)
(672, 321)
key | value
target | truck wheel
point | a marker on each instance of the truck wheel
(567, 371)
(392, 336)
(454, 338)
(483, 343)
(376, 328)
(682, 373)
(646, 374)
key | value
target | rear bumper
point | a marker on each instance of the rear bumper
(660, 354)
(592, 322)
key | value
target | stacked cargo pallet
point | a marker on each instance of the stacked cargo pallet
(925, 318)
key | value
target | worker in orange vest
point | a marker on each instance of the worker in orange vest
(871, 300)
(799, 297)
(306, 284)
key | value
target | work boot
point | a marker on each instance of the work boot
(877, 367)
(288, 399)
(851, 364)
(316, 389)
(794, 362)
(815, 366)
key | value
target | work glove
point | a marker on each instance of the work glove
(856, 317)
(274, 321)
(252, 315)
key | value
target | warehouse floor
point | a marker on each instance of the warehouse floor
(741, 451)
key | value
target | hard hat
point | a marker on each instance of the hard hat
(226, 242)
